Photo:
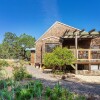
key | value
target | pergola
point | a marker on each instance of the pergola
(82, 34)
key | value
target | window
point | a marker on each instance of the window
(95, 67)
(95, 54)
(83, 54)
(50, 46)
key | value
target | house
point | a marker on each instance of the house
(84, 45)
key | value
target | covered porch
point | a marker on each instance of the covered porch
(86, 49)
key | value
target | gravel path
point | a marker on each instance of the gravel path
(72, 85)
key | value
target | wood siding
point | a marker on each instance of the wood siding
(52, 35)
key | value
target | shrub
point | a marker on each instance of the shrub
(3, 63)
(23, 62)
(50, 60)
(48, 92)
(20, 73)
(38, 87)
(25, 94)
(3, 84)
(34, 90)
(28, 75)
(59, 57)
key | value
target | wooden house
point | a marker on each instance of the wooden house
(84, 45)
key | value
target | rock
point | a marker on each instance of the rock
(63, 77)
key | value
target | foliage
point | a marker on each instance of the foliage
(59, 57)
(2, 84)
(34, 90)
(23, 62)
(3, 63)
(28, 75)
(29, 91)
(20, 73)
(14, 47)
(8, 45)
(50, 60)
(57, 72)
(3, 72)
(26, 41)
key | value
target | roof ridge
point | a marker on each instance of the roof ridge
(53, 25)
(67, 25)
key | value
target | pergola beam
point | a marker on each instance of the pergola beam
(81, 34)
(66, 32)
(81, 31)
(74, 31)
(91, 31)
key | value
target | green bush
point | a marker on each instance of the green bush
(59, 93)
(34, 90)
(28, 75)
(20, 73)
(48, 92)
(5, 95)
(3, 84)
(3, 63)
(24, 94)
(59, 57)
(58, 72)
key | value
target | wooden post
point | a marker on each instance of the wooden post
(76, 44)
(32, 57)
(41, 57)
(89, 57)
(89, 66)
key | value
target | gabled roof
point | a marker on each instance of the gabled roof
(55, 24)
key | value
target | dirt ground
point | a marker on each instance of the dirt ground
(89, 79)
(85, 85)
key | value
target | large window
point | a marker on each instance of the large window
(95, 54)
(50, 46)
(83, 54)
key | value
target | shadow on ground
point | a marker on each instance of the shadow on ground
(76, 87)
(72, 85)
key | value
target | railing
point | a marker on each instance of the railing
(87, 54)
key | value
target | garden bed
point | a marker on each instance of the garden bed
(14, 90)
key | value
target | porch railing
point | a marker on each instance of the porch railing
(87, 54)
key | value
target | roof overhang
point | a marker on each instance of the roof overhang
(83, 34)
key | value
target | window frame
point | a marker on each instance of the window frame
(56, 44)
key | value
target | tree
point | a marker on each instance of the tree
(4, 51)
(60, 57)
(26, 41)
(8, 45)
(10, 38)
(15, 47)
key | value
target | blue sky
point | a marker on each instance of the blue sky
(34, 17)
